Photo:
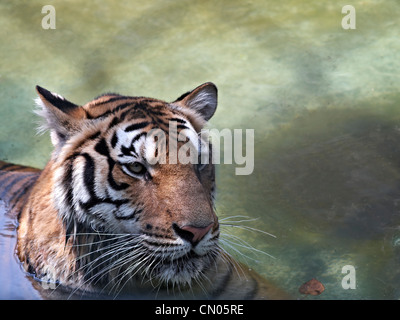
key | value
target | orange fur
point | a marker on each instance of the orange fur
(86, 197)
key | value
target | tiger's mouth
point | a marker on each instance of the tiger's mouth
(180, 271)
(179, 262)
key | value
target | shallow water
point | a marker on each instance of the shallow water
(323, 101)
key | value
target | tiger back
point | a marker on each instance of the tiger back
(116, 210)
(15, 184)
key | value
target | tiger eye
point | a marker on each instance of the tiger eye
(136, 168)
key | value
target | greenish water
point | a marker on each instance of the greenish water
(324, 103)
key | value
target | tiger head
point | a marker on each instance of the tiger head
(118, 170)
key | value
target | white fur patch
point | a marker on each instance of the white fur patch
(41, 111)
(78, 187)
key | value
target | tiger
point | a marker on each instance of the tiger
(103, 216)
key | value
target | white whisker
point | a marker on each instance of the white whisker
(243, 244)
(247, 228)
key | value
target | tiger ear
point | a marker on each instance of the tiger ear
(202, 100)
(63, 118)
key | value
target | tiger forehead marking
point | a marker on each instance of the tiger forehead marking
(133, 118)
(137, 139)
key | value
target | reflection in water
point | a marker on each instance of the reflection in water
(323, 102)
(13, 283)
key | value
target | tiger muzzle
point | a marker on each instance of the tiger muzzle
(192, 234)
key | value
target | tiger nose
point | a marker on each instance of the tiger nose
(191, 233)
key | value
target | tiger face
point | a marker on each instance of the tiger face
(118, 170)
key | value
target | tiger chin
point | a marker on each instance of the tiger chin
(104, 217)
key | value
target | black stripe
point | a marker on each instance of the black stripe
(252, 293)
(126, 151)
(14, 181)
(94, 136)
(133, 151)
(18, 199)
(181, 126)
(89, 139)
(114, 122)
(114, 140)
(144, 100)
(124, 114)
(118, 108)
(70, 229)
(94, 201)
(113, 183)
(135, 114)
(102, 148)
(131, 216)
(222, 285)
(118, 97)
(86, 206)
(88, 174)
(67, 179)
(67, 182)
(89, 179)
(15, 197)
(158, 113)
(136, 126)
(183, 96)
(6, 176)
(177, 120)
(14, 168)
(143, 105)
(138, 136)
(7, 165)
(159, 122)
